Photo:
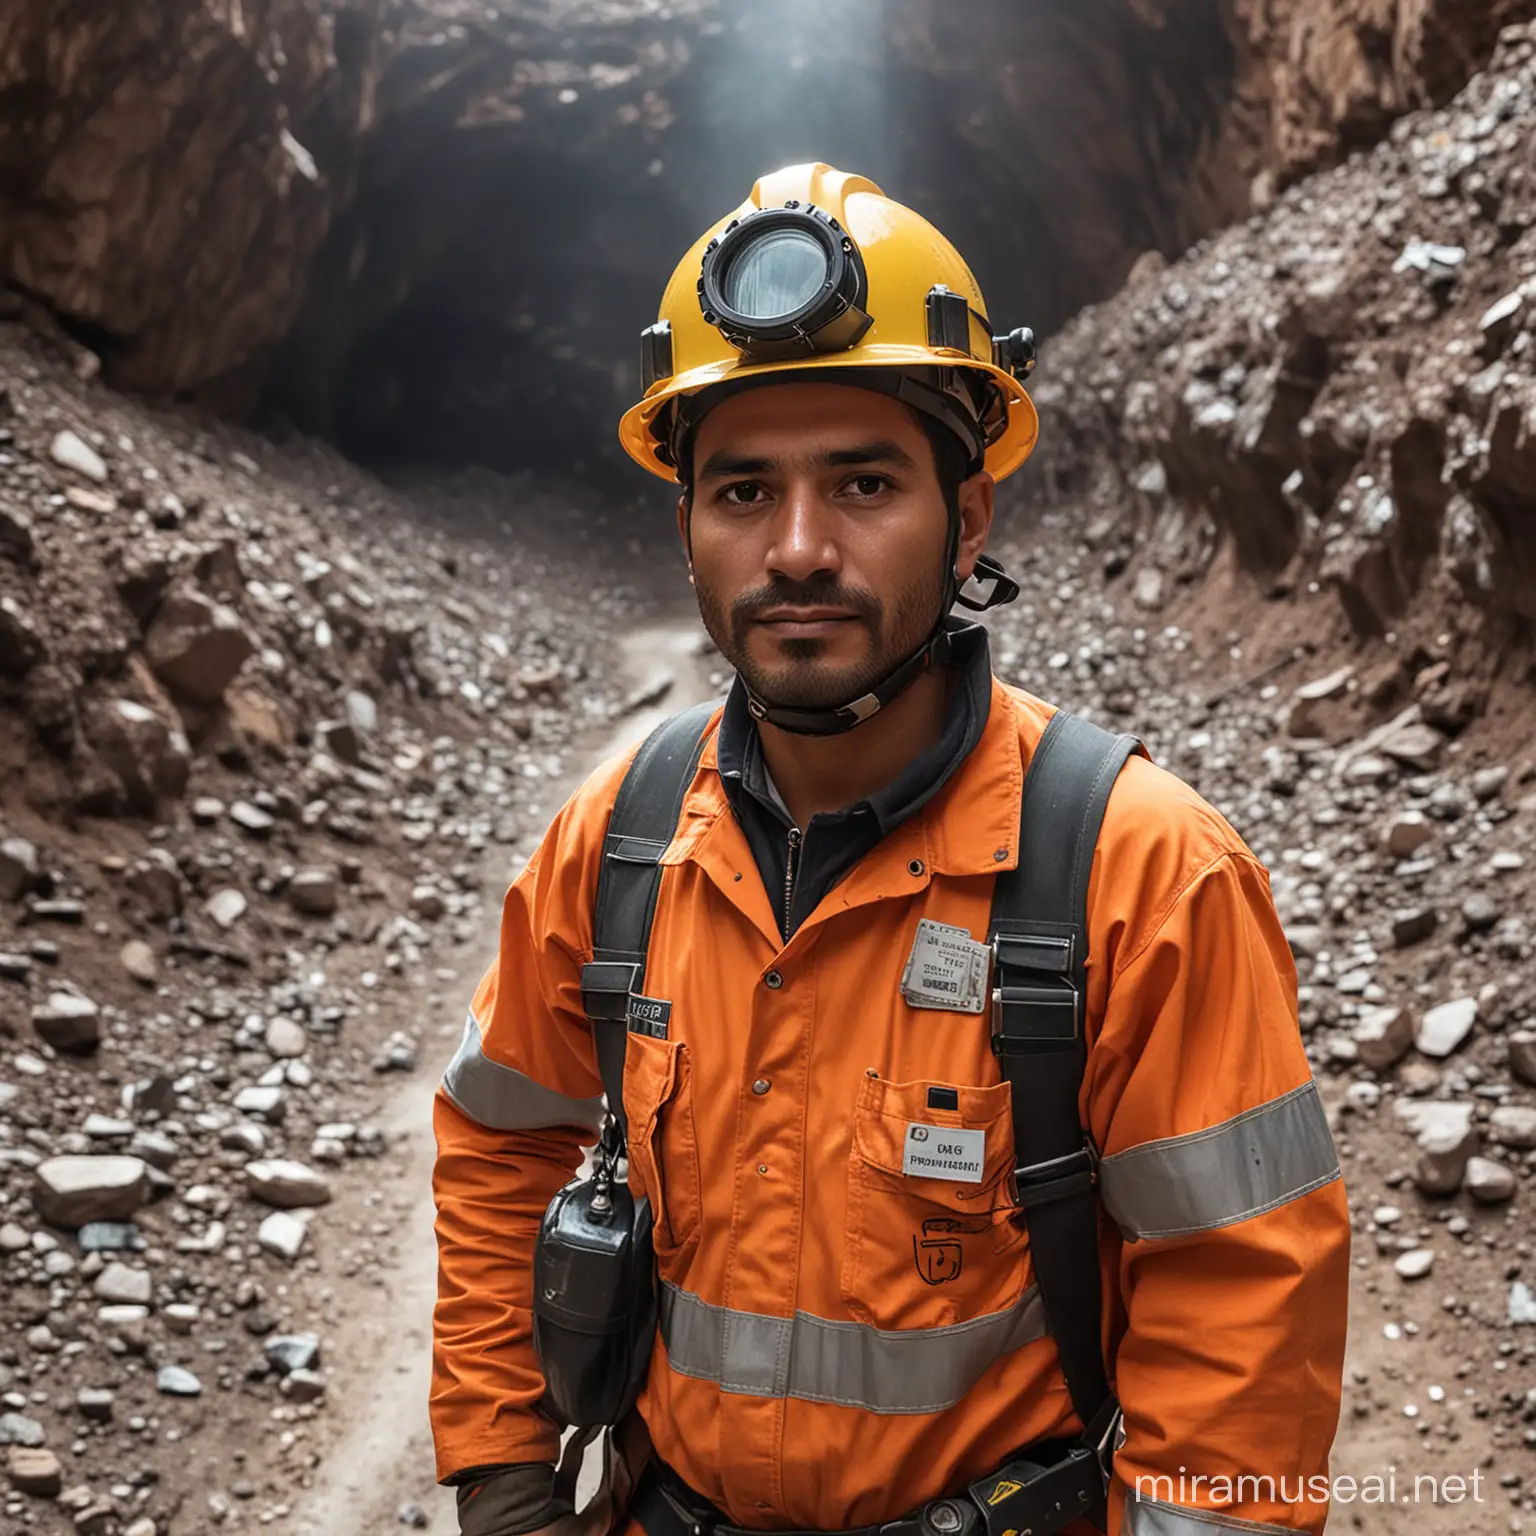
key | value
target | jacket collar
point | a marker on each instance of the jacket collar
(743, 770)
(969, 827)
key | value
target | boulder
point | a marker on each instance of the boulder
(149, 756)
(313, 892)
(265, 1100)
(1408, 833)
(287, 1352)
(1522, 1055)
(68, 1022)
(286, 1184)
(1514, 1125)
(196, 646)
(283, 1233)
(35, 1471)
(123, 1285)
(156, 879)
(19, 868)
(16, 536)
(341, 739)
(17, 1429)
(1446, 1139)
(286, 1038)
(1413, 925)
(70, 451)
(302, 1386)
(226, 907)
(1488, 1182)
(1444, 1028)
(252, 819)
(1416, 746)
(140, 963)
(73, 1190)
(1383, 1036)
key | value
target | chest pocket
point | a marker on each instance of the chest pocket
(930, 1252)
(663, 1144)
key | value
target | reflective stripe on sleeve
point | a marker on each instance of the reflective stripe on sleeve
(1152, 1517)
(920, 1370)
(1243, 1167)
(504, 1099)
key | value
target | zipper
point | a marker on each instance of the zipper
(789, 877)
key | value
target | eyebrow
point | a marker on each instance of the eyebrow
(723, 462)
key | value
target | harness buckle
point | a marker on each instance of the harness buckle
(1056, 1178)
(1035, 1005)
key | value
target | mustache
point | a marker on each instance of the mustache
(812, 593)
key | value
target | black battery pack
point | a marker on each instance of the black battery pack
(594, 1299)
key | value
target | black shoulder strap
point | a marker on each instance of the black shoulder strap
(644, 817)
(1039, 934)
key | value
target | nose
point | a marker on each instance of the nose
(804, 543)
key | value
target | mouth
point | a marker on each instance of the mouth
(804, 624)
(800, 623)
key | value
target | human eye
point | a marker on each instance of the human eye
(743, 493)
(868, 487)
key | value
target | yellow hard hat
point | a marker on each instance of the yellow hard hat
(820, 271)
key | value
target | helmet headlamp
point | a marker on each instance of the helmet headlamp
(784, 282)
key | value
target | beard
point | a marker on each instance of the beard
(803, 676)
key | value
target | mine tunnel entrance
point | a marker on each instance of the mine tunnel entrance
(480, 300)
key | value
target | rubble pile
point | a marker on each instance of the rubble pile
(1403, 864)
(271, 742)
(1335, 395)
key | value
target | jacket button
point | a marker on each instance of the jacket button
(773, 980)
(761, 1086)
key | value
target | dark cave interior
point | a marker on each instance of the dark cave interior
(481, 299)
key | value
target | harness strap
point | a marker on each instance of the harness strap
(1039, 937)
(644, 817)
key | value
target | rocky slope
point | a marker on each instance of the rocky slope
(1339, 393)
(273, 738)
(1403, 864)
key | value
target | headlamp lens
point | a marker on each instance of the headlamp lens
(777, 274)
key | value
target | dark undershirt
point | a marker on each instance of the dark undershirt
(832, 842)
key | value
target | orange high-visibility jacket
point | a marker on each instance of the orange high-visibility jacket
(811, 1370)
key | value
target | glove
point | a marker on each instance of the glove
(511, 1500)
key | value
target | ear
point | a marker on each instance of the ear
(977, 504)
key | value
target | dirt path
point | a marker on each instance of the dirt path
(383, 1457)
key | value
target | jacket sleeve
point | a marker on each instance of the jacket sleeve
(1220, 1173)
(520, 1099)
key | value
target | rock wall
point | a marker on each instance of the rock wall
(1323, 78)
(160, 183)
(1341, 391)
(425, 226)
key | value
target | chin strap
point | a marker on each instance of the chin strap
(835, 720)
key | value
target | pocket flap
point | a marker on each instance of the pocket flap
(886, 1110)
(650, 1077)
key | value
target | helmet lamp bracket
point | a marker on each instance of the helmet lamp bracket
(831, 319)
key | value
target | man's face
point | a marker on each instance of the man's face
(818, 539)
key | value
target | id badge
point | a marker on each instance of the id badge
(943, 1152)
(946, 969)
